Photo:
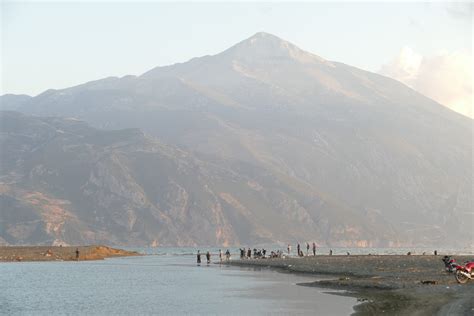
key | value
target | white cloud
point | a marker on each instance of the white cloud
(445, 77)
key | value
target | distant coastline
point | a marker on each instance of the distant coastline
(57, 253)
(392, 284)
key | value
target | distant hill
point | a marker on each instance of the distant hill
(306, 148)
(12, 101)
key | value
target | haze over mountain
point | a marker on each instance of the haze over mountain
(279, 145)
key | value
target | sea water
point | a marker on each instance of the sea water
(165, 281)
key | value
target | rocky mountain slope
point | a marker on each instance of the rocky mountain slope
(334, 153)
(65, 182)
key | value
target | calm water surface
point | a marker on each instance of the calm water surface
(165, 283)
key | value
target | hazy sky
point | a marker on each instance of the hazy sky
(60, 44)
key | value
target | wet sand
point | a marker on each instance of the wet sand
(289, 298)
(50, 253)
(388, 284)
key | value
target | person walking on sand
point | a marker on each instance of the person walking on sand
(314, 249)
(199, 258)
(289, 249)
(77, 254)
(307, 248)
(208, 257)
(220, 255)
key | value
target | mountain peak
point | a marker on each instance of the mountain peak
(264, 35)
(266, 45)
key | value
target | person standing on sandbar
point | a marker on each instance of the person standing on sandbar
(77, 254)
(198, 258)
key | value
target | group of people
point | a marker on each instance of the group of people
(262, 253)
(208, 256)
(259, 253)
(248, 253)
(300, 252)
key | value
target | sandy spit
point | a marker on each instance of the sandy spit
(56, 253)
(386, 284)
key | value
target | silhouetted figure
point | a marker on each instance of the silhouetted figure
(227, 255)
(330, 252)
(289, 249)
(264, 252)
(77, 254)
(307, 248)
(249, 253)
(254, 253)
(348, 253)
(298, 249)
(208, 257)
(314, 249)
(198, 257)
(220, 255)
(409, 253)
(436, 252)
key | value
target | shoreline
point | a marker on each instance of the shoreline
(57, 253)
(388, 284)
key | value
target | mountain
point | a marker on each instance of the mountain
(64, 182)
(351, 157)
(12, 101)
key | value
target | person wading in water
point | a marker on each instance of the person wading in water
(198, 258)
(208, 257)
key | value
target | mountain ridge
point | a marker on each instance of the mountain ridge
(318, 143)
